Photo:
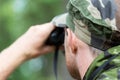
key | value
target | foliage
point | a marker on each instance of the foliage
(16, 16)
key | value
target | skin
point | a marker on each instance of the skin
(31, 44)
(28, 46)
(78, 56)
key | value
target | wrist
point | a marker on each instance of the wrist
(16, 53)
(10, 59)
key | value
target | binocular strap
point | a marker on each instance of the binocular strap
(56, 60)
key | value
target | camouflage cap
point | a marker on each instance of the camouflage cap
(93, 21)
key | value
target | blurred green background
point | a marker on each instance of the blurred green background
(16, 16)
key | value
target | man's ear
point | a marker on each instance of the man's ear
(72, 41)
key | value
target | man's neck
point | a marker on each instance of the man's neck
(84, 58)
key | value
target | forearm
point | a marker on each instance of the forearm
(10, 59)
(28, 46)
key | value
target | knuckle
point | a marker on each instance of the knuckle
(33, 28)
(36, 31)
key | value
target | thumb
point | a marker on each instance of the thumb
(47, 49)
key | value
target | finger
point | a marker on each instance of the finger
(48, 49)
(45, 29)
(49, 26)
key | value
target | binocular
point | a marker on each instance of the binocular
(56, 37)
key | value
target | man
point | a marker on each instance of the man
(93, 22)
(86, 36)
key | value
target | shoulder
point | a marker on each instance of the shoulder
(112, 74)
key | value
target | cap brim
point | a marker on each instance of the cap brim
(60, 20)
(63, 20)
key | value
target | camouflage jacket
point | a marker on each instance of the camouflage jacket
(94, 22)
(106, 66)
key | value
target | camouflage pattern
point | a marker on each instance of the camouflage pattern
(96, 18)
(99, 12)
(92, 18)
(111, 72)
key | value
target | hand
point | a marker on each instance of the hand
(32, 43)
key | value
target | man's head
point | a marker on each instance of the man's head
(78, 55)
(91, 23)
